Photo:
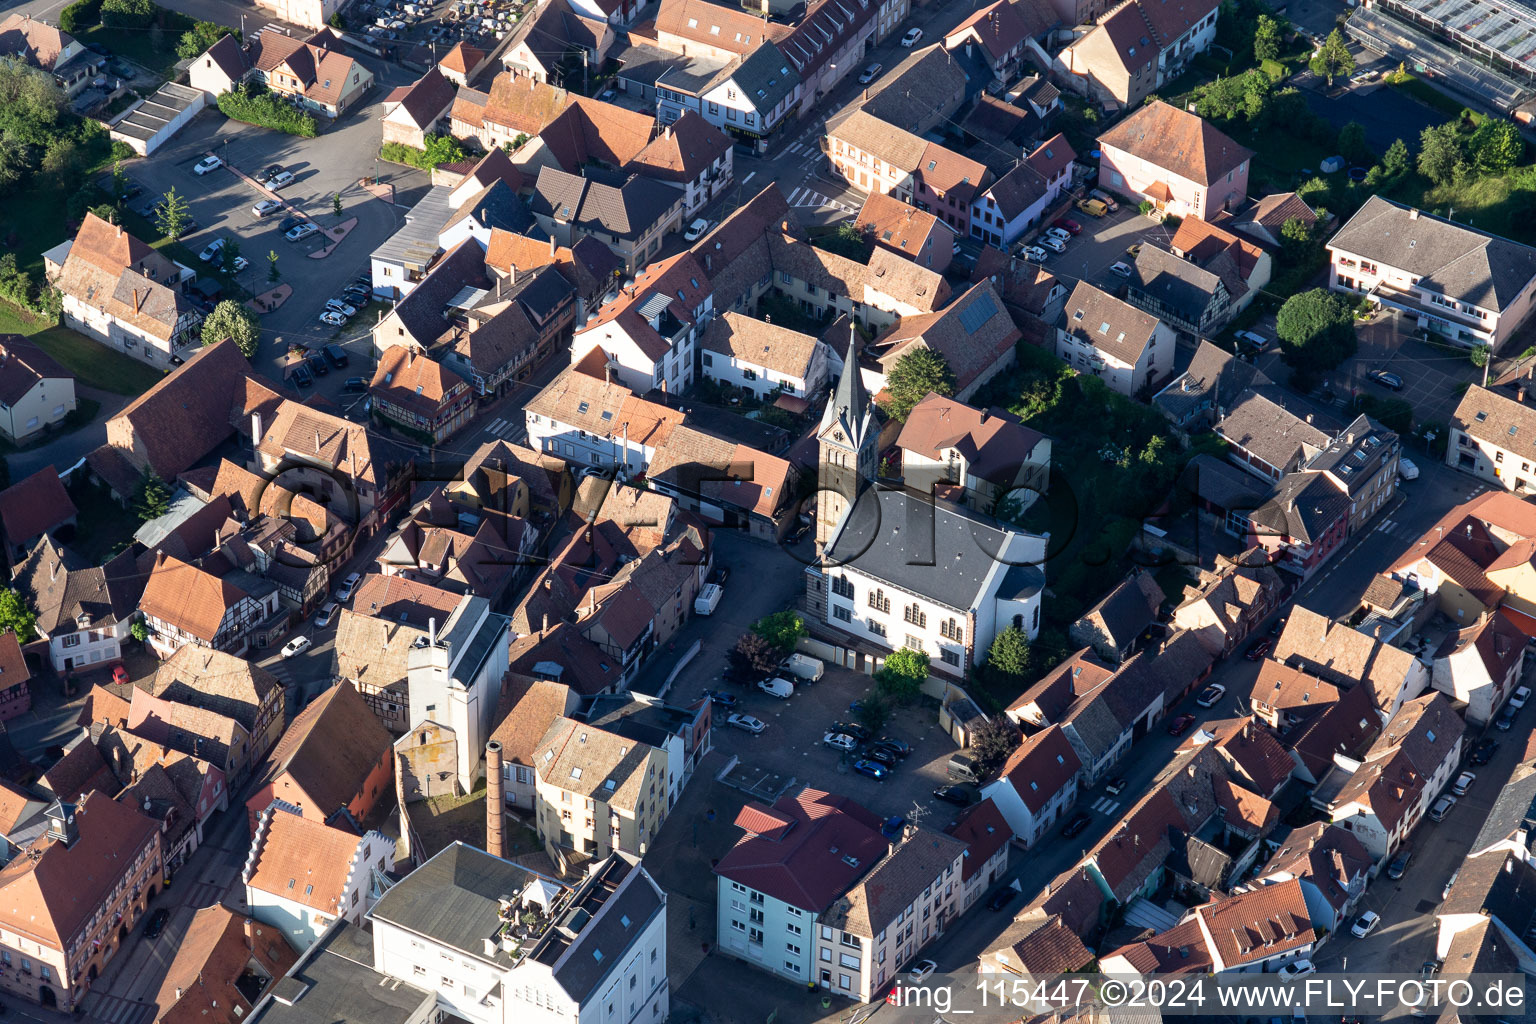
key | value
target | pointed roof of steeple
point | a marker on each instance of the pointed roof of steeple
(850, 406)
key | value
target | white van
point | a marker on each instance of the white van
(804, 667)
(708, 599)
(1406, 469)
(776, 687)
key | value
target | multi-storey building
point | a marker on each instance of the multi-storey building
(1177, 161)
(455, 677)
(185, 604)
(598, 792)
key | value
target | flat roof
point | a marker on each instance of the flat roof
(415, 244)
(335, 983)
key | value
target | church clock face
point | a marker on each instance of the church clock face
(837, 435)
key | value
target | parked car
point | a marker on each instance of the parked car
(1259, 648)
(207, 164)
(872, 769)
(317, 364)
(1068, 225)
(1179, 725)
(1092, 207)
(897, 748)
(266, 208)
(337, 306)
(1117, 785)
(1211, 695)
(776, 687)
(1506, 719)
(883, 755)
(327, 613)
(1001, 898)
(1253, 340)
(1120, 268)
(1052, 243)
(211, 250)
(1484, 751)
(892, 826)
(1519, 697)
(1387, 380)
(241, 263)
(1445, 893)
(280, 180)
(267, 174)
(1399, 864)
(957, 795)
(696, 230)
(355, 385)
(1060, 234)
(858, 732)
(922, 968)
(1463, 783)
(155, 923)
(1076, 824)
(1035, 253)
(803, 667)
(840, 741)
(295, 646)
(746, 723)
(120, 675)
(1365, 924)
(1297, 969)
(336, 354)
(1441, 808)
(1406, 469)
(1105, 198)
(910, 39)
(289, 223)
(721, 698)
(299, 232)
(870, 73)
(332, 319)
(300, 375)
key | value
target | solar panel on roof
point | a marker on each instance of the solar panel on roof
(978, 313)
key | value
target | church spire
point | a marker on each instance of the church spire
(849, 407)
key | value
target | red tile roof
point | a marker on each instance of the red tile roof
(1177, 141)
(1257, 925)
(831, 844)
(1041, 766)
(34, 506)
(984, 832)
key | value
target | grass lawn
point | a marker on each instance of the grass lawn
(93, 364)
(28, 228)
(1429, 96)
(139, 46)
(1281, 157)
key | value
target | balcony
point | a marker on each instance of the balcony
(1411, 303)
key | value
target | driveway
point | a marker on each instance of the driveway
(1103, 243)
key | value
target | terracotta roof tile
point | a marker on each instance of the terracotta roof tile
(1259, 924)
(307, 862)
(188, 597)
(526, 711)
(214, 954)
(34, 506)
(1177, 141)
(330, 749)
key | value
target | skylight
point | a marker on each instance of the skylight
(576, 772)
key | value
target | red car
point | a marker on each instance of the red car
(1259, 649)
(120, 675)
(1067, 225)
(1178, 725)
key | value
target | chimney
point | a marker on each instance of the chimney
(250, 933)
(1413, 214)
(494, 808)
(255, 428)
(553, 246)
(432, 631)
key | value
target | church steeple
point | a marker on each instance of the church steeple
(847, 440)
(850, 407)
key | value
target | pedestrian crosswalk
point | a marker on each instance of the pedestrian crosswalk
(804, 197)
(1104, 805)
(507, 430)
(1394, 528)
(270, 26)
(105, 1009)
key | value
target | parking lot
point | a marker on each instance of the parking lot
(1103, 243)
(406, 24)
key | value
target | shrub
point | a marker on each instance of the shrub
(267, 111)
(131, 14)
(79, 15)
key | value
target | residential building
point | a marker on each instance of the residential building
(650, 332)
(121, 292)
(186, 604)
(412, 112)
(75, 893)
(975, 334)
(552, 33)
(597, 792)
(874, 156)
(1264, 436)
(517, 108)
(1488, 914)
(828, 43)
(747, 96)
(1264, 220)
(628, 215)
(762, 358)
(500, 943)
(987, 840)
(372, 646)
(222, 968)
(1011, 205)
(15, 679)
(1191, 298)
(51, 50)
(1480, 666)
(462, 63)
(334, 760)
(978, 457)
(312, 73)
(1138, 47)
(681, 733)
(920, 93)
(1302, 523)
(1175, 160)
(1487, 432)
(697, 28)
(1000, 33)
(83, 611)
(309, 446)
(1344, 656)
(1230, 604)
(1215, 381)
(1244, 266)
(1387, 793)
(524, 715)
(1114, 625)
(225, 685)
(314, 14)
(1332, 867)
(422, 396)
(1037, 786)
(1258, 931)
(302, 875)
(907, 231)
(1460, 284)
(454, 678)
(1126, 347)
(36, 393)
(32, 509)
(1034, 946)
(692, 156)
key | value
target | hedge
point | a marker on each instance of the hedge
(80, 15)
(267, 111)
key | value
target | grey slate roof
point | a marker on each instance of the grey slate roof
(1356, 454)
(1222, 484)
(1456, 260)
(1107, 323)
(1017, 190)
(626, 210)
(1513, 810)
(1260, 424)
(918, 544)
(1215, 377)
(913, 90)
(1303, 507)
(1178, 284)
(765, 77)
(599, 949)
(497, 206)
(335, 983)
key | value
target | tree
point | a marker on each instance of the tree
(153, 499)
(196, 40)
(1299, 244)
(1496, 146)
(106, 211)
(1009, 653)
(335, 20)
(1479, 355)
(139, 631)
(443, 149)
(1395, 163)
(1266, 38)
(901, 676)
(17, 617)
(119, 182)
(991, 743)
(30, 104)
(272, 274)
(1439, 153)
(1352, 144)
(336, 203)
(173, 215)
(229, 255)
(135, 14)
(752, 657)
(1333, 59)
(873, 713)
(1317, 329)
(782, 630)
(915, 374)
(232, 320)
(1226, 99)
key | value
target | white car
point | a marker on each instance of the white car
(776, 687)
(280, 180)
(1120, 268)
(327, 613)
(301, 231)
(696, 230)
(746, 722)
(922, 968)
(241, 263)
(910, 39)
(1521, 695)
(1297, 969)
(870, 73)
(209, 163)
(266, 207)
(348, 585)
(337, 306)
(1059, 233)
(1053, 243)
(1253, 338)
(1365, 924)
(1211, 695)
(1406, 469)
(295, 646)
(212, 250)
(839, 740)
(1035, 253)
(331, 318)
(1463, 783)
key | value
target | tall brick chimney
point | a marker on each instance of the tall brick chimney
(494, 808)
